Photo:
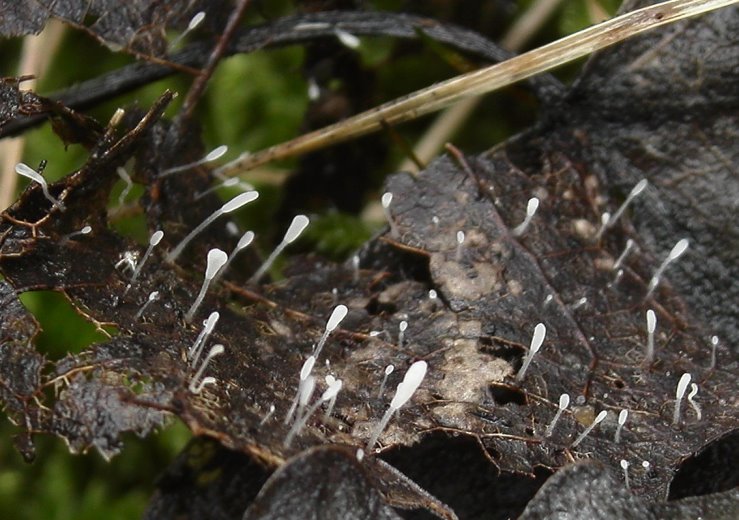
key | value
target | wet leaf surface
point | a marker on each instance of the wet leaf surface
(493, 288)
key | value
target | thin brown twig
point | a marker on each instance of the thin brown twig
(198, 86)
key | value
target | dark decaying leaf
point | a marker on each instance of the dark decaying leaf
(588, 490)
(139, 25)
(493, 289)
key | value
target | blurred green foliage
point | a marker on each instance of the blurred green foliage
(251, 102)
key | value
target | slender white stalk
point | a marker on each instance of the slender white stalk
(598, 419)
(268, 416)
(564, 402)
(540, 332)
(714, 346)
(622, 417)
(460, 245)
(28, 172)
(388, 370)
(305, 371)
(682, 385)
(208, 380)
(153, 296)
(624, 254)
(216, 260)
(232, 205)
(228, 183)
(244, 242)
(405, 390)
(531, 208)
(355, 268)
(680, 247)
(385, 201)
(123, 174)
(197, 347)
(86, 230)
(329, 395)
(215, 350)
(195, 21)
(337, 316)
(635, 192)
(651, 327)
(154, 240)
(214, 154)
(402, 327)
(297, 226)
(696, 407)
(625, 466)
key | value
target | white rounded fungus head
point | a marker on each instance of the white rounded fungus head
(306, 391)
(682, 385)
(640, 186)
(460, 237)
(216, 259)
(26, 171)
(389, 370)
(307, 367)
(564, 401)
(216, 350)
(540, 332)
(245, 240)
(599, 418)
(387, 198)
(403, 326)
(332, 390)
(409, 385)
(156, 237)
(651, 321)
(297, 226)
(239, 200)
(532, 206)
(338, 314)
(154, 295)
(622, 416)
(219, 152)
(678, 249)
(194, 22)
(210, 323)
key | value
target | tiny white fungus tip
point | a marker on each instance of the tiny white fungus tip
(387, 199)
(347, 39)
(337, 316)
(297, 226)
(682, 386)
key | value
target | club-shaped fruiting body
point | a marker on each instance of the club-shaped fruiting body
(123, 174)
(337, 315)
(360, 454)
(305, 371)
(154, 240)
(228, 183)
(623, 415)
(460, 243)
(635, 192)
(564, 402)
(197, 347)
(579, 303)
(627, 249)
(682, 386)
(28, 172)
(314, 90)
(208, 380)
(714, 346)
(651, 327)
(388, 370)
(405, 390)
(232, 205)
(625, 466)
(385, 201)
(86, 230)
(328, 395)
(269, 414)
(214, 154)
(213, 352)
(296, 228)
(153, 296)
(402, 327)
(195, 22)
(347, 39)
(355, 268)
(216, 259)
(244, 242)
(540, 331)
(678, 249)
(598, 419)
(531, 208)
(696, 407)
